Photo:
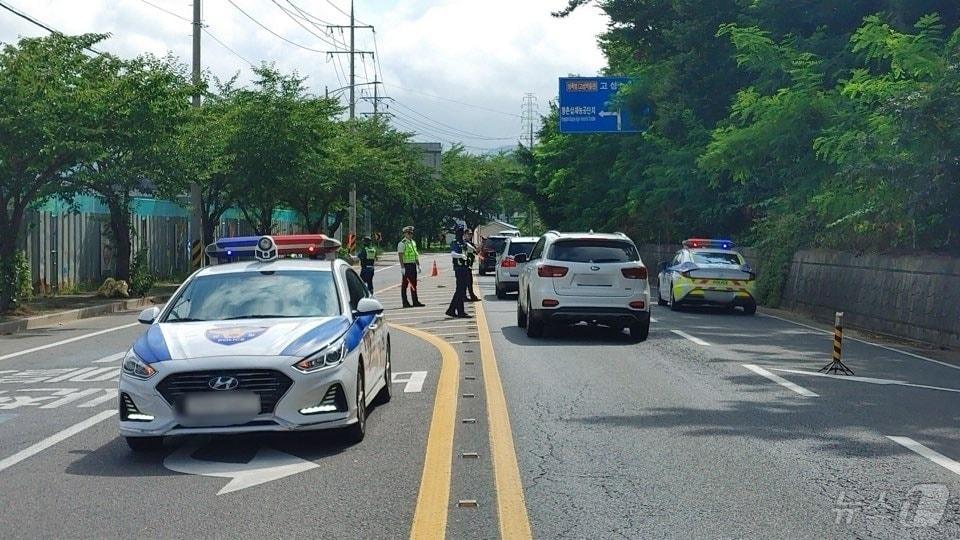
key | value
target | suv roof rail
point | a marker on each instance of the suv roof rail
(552, 232)
(622, 234)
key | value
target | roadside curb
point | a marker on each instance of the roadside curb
(49, 319)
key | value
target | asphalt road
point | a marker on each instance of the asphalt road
(717, 426)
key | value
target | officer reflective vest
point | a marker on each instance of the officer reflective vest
(371, 253)
(410, 253)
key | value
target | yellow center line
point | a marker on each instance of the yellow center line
(511, 507)
(430, 517)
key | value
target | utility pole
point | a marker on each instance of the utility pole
(376, 99)
(197, 241)
(353, 103)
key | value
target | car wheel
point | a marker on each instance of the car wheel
(750, 309)
(145, 444)
(674, 306)
(535, 324)
(660, 300)
(356, 431)
(501, 294)
(386, 393)
(521, 316)
(481, 271)
(639, 331)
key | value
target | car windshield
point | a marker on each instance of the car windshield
(713, 257)
(593, 251)
(251, 295)
(495, 244)
(517, 248)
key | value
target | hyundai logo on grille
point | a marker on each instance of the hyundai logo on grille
(223, 383)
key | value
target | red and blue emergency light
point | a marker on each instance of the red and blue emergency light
(268, 248)
(710, 243)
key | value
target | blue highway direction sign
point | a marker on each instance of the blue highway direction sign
(587, 105)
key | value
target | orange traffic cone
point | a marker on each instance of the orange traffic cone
(434, 272)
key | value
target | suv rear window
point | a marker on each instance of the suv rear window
(593, 251)
(521, 247)
(494, 244)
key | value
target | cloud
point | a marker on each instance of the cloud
(486, 53)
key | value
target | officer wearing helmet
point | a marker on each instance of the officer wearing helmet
(458, 250)
(410, 259)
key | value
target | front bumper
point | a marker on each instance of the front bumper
(306, 390)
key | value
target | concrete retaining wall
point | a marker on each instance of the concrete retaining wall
(915, 296)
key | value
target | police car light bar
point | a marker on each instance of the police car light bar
(712, 243)
(268, 248)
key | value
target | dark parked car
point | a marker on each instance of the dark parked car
(491, 249)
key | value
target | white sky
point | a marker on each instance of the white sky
(485, 53)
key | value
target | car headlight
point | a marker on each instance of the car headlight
(330, 356)
(136, 368)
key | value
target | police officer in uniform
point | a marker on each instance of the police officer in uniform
(471, 256)
(410, 259)
(367, 255)
(458, 250)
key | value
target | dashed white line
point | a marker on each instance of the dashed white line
(66, 341)
(694, 339)
(35, 449)
(865, 342)
(870, 380)
(932, 455)
(780, 380)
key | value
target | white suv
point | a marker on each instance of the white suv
(584, 277)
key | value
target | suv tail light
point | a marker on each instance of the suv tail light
(508, 262)
(552, 271)
(637, 272)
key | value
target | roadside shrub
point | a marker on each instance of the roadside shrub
(15, 279)
(141, 280)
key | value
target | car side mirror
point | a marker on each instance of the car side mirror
(520, 258)
(369, 306)
(149, 315)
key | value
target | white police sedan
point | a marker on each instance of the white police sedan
(268, 344)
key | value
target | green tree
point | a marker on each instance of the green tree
(47, 122)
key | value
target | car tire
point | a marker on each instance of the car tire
(750, 309)
(535, 325)
(639, 331)
(674, 305)
(145, 444)
(521, 316)
(355, 432)
(481, 271)
(501, 294)
(386, 393)
(660, 300)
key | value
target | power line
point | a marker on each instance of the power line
(307, 15)
(40, 24)
(167, 11)
(338, 8)
(261, 25)
(301, 25)
(443, 131)
(473, 135)
(227, 47)
(441, 98)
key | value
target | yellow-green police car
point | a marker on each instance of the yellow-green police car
(707, 272)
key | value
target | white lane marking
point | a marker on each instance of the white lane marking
(70, 398)
(653, 320)
(932, 455)
(780, 380)
(694, 339)
(74, 373)
(111, 358)
(54, 439)
(386, 268)
(865, 342)
(69, 340)
(266, 466)
(464, 326)
(869, 380)
(110, 394)
(414, 380)
(449, 334)
(101, 374)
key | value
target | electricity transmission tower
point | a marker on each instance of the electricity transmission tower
(529, 120)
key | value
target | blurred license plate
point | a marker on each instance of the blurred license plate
(593, 281)
(221, 404)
